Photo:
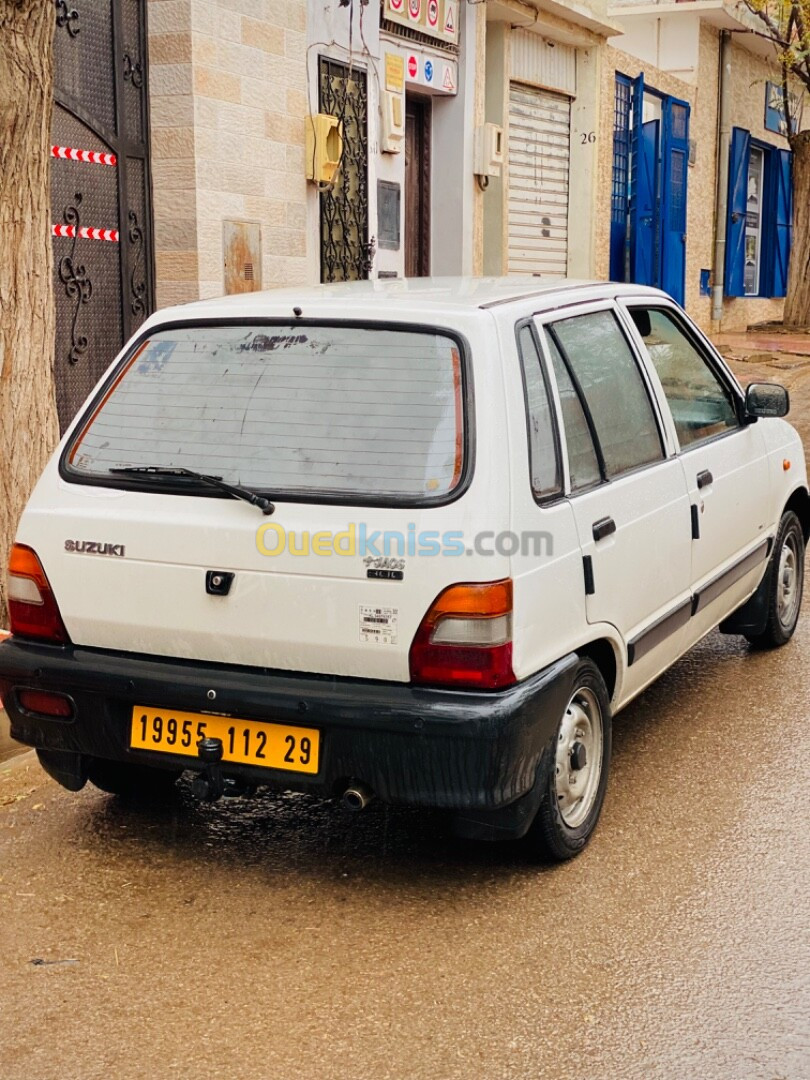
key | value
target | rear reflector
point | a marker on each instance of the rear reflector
(32, 608)
(44, 703)
(465, 639)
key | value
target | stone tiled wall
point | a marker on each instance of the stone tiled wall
(228, 102)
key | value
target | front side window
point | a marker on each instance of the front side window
(701, 405)
(605, 371)
(329, 410)
(543, 457)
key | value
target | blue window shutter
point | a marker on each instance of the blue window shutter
(737, 206)
(783, 222)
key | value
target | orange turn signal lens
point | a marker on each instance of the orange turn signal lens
(474, 601)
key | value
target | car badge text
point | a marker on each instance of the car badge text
(91, 547)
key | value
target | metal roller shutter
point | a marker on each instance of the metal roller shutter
(539, 158)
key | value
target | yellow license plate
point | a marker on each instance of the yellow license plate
(248, 742)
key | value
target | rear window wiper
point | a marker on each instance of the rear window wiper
(217, 482)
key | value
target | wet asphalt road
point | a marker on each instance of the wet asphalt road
(281, 938)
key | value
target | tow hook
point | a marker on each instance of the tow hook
(209, 785)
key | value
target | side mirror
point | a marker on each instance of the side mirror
(766, 400)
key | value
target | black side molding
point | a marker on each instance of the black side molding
(718, 586)
(695, 522)
(587, 568)
(677, 618)
(659, 632)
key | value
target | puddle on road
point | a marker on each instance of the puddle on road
(8, 748)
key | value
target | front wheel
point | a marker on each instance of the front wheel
(576, 769)
(784, 585)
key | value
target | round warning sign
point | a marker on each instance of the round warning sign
(433, 13)
(413, 67)
(415, 9)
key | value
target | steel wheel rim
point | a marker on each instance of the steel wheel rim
(577, 788)
(788, 591)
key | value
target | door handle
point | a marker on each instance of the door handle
(704, 479)
(604, 528)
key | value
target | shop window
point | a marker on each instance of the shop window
(760, 215)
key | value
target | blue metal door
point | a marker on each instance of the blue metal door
(644, 206)
(674, 189)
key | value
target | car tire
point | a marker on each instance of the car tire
(784, 585)
(575, 769)
(131, 781)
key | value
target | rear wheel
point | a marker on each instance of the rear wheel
(131, 781)
(784, 585)
(576, 769)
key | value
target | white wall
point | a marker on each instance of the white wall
(452, 147)
(670, 43)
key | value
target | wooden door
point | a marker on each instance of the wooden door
(417, 188)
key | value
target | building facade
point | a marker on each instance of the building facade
(210, 146)
(698, 172)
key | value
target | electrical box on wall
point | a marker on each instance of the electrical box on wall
(393, 122)
(324, 147)
(242, 251)
(489, 150)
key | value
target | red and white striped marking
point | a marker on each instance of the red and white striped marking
(90, 157)
(69, 231)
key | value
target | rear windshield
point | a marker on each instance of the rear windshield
(334, 410)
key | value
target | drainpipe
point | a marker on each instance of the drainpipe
(723, 151)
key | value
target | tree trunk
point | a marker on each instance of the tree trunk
(28, 423)
(797, 306)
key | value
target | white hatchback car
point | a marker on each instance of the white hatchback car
(418, 540)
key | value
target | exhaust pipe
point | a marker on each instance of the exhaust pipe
(357, 797)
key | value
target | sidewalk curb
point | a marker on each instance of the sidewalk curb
(13, 764)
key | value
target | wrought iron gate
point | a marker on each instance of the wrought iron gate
(346, 252)
(100, 190)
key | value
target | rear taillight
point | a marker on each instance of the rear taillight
(466, 638)
(32, 608)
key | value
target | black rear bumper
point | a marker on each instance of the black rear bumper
(458, 750)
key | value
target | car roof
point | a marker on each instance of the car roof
(400, 298)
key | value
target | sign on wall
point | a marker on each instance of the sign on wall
(775, 114)
(431, 71)
(436, 18)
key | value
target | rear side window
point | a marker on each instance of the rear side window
(583, 464)
(543, 457)
(602, 364)
(331, 410)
